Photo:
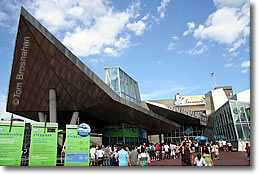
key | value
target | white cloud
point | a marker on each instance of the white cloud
(111, 51)
(171, 46)
(244, 71)
(198, 49)
(3, 113)
(3, 16)
(229, 25)
(225, 26)
(236, 45)
(175, 38)
(162, 8)
(137, 27)
(90, 27)
(246, 63)
(95, 60)
(228, 65)
(228, 3)
(190, 26)
(122, 42)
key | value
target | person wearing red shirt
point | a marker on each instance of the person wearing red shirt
(247, 148)
(157, 149)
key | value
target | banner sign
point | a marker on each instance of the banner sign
(11, 143)
(77, 145)
(109, 132)
(189, 100)
(43, 146)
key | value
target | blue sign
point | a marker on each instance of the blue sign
(77, 157)
(83, 130)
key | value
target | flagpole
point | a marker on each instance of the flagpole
(213, 75)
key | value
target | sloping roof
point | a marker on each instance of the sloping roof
(41, 62)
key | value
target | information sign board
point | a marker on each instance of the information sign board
(43, 146)
(77, 147)
(11, 143)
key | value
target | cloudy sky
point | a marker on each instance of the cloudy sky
(167, 46)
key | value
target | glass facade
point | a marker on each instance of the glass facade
(122, 84)
(185, 130)
(124, 134)
(232, 121)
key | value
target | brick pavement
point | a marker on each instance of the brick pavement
(226, 159)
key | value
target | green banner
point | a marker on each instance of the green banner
(109, 132)
(77, 147)
(11, 143)
(43, 145)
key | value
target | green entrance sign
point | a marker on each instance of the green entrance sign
(109, 132)
(11, 143)
(43, 145)
(77, 146)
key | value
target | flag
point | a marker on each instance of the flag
(212, 74)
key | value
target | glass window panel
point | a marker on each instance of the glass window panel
(235, 112)
(127, 140)
(122, 81)
(113, 140)
(120, 140)
(126, 85)
(239, 131)
(246, 131)
(114, 80)
(242, 112)
(247, 111)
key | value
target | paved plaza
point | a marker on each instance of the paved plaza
(226, 159)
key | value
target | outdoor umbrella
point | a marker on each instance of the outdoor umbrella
(201, 138)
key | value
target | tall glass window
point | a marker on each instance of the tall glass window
(122, 84)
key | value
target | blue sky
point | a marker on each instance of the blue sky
(167, 46)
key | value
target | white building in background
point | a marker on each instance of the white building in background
(231, 121)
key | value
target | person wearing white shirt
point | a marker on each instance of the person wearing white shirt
(166, 147)
(100, 155)
(92, 155)
(199, 161)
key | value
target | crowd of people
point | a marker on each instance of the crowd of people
(142, 155)
(191, 153)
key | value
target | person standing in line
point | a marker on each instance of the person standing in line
(166, 148)
(196, 147)
(247, 148)
(207, 157)
(220, 145)
(92, 155)
(123, 157)
(187, 156)
(216, 147)
(115, 156)
(182, 145)
(157, 151)
(107, 153)
(152, 152)
(224, 143)
(212, 150)
(172, 150)
(100, 155)
(199, 161)
(142, 158)
(133, 156)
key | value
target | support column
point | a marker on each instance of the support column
(41, 117)
(74, 118)
(161, 138)
(52, 105)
